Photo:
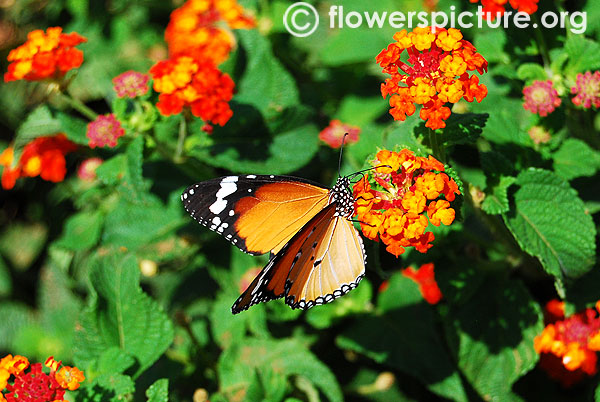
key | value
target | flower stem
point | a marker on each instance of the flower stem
(541, 45)
(436, 148)
(180, 141)
(77, 105)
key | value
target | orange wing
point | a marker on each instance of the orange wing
(257, 213)
(323, 261)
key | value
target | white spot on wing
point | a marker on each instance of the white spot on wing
(216, 221)
(251, 176)
(228, 187)
(218, 206)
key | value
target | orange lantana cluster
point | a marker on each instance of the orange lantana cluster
(494, 8)
(184, 81)
(437, 73)
(568, 346)
(44, 157)
(36, 385)
(201, 29)
(47, 54)
(406, 194)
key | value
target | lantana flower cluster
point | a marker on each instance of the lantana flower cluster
(45, 55)
(44, 157)
(35, 385)
(568, 346)
(541, 98)
(494, 8)
(437, 72)
(403, 200)
(587, 90)
(201, 29)
(199, 85)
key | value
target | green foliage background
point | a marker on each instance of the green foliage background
(70, 253)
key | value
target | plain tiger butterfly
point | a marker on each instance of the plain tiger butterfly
(317, 254)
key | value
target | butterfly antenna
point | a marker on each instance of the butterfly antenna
(341, 152)
(353, 175)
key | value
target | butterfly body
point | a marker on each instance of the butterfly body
(318, 255)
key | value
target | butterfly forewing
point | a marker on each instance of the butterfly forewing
(271, 282)
(257, 213)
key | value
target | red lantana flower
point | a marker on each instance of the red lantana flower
(45, 55)
(541, 98)
(404, 196)
(202, 29)
(199, 85)
(425, 278)
(35, 385)
(104, 131)
(437, 73)
(568, 346)
(131, 84)
(587, 90)
(493, 8)
(333, 134)
(44, 157)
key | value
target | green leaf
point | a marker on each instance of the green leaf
(463, 128)
(531, 71)
(284, 358)
(496, 202)
(22, 243)
(121, 315)
(494, 333)
(575, 159)
(347, 46)
(265, 84)
(418, 352)
(14, 316)
(355, 110)
(584, 55)
(159, 391)
(74, 128)
(549, 222)
(37, 124)
(289, 151)
(114, 360)
(112, 170)
(82, 231)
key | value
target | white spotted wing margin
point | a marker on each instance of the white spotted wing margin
(322, 262)
(212, 203)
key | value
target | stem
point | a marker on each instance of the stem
(541, 44)
(182, 133)
(438, 151)
(77, 105)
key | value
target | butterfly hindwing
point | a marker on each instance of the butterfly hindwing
(329, 263)
(257, 213)
(270, 283)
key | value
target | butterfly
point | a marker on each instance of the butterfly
(317, 254)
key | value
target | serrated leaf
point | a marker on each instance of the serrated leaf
(112, 170)
(82, 231)
(494, 336)
(583, 53)
(159, 391)
(531, 71)
(121, 315)
(418, 352)
(575, 159)
(114, 360)
(265, 84)
(120, 385)
(38, 123)
(284, 358)
(463, 128)
(549, 222)
(496, 202)
(361, 110)
(74, 128)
